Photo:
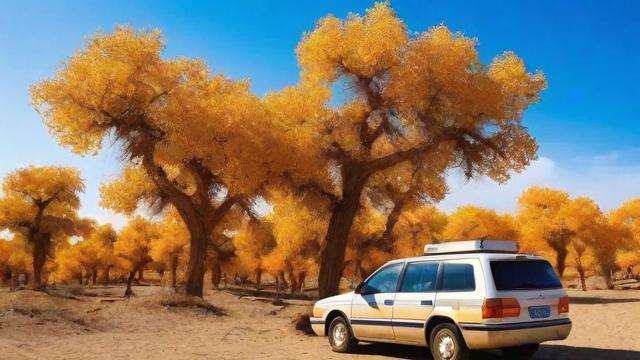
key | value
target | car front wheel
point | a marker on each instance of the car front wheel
(340, 336)
(446, 343)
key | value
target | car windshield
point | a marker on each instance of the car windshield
(524, 275)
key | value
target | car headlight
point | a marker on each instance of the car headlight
(318, 311)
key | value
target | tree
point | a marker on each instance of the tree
(626, 219)
(183, 131)
(541, 218)
(423, 101)
(41, 203)
(133, 245)
(298, 224)
(253, 242)
(472, 222)
(14, 258)
(170, 248)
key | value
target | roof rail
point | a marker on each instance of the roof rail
(472, 246)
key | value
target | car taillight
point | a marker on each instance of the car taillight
(563, 305)
(500, 308)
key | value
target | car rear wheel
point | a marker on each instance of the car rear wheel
(446, 343)
(340, 336)
(520, 352)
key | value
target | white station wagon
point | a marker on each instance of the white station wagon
(459, 296)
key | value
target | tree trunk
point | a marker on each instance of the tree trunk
(332, 256)
(174, 272)
(561, 259)
(216, 274)
(583, 280)
(39, 258)
(293, 281)
(105, 275)
(129, 291)
(12, 284)
(258, 279)
(301, 278)
(141, 274)
(94, 277)
(608, 276)
(283, 281)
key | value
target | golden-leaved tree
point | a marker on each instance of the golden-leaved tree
(40, 204)
(183, 131)
(298, 224)
(171, 247)
(134, 245)
(14, 259)
(472, 222)
(628, 216)
(422, 102)
(542, 223)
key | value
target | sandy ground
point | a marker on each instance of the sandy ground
(102, 325)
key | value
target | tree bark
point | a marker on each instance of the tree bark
(105, 275)
(293, 281)
(39, 257)
(583, 280)
(258, 279)
(141, 274)
(12, 285)
(216, 274)
(94, 277)
(301, 278)
(129, 291)
(174, 271)
(561, 259)
(333, 252)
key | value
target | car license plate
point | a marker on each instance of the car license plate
(539, 312)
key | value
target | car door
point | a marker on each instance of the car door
(372, 304)
(414, 301)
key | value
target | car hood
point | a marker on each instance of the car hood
(336, 299)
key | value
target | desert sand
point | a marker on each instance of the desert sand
(98, 323)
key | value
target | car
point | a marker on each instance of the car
(459, 296)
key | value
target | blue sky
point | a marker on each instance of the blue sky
(587, 125)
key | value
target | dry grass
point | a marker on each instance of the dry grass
(183, 301)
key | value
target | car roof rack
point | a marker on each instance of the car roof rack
(472, 246)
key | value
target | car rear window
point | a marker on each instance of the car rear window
(524, 275)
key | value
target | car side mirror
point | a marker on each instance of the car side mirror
(358, 288)
(364, 289)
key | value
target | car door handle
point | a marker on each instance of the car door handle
(388, 302)
(426, 302)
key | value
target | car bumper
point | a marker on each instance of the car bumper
(492, 336)
(317, 324)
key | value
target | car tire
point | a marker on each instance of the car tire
(341, 337)
(446, 343)
(520, 352)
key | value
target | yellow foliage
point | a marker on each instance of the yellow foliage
(123, 195)
(172, 243)
(298, 225)
(134, 241)
(471, 222)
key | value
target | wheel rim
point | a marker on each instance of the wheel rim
(446, 347)
(339, 334)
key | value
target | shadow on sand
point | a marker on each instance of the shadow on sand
(546, 352)
(600, 301)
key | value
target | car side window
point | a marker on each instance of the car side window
(385, 280)
(420, 277)
(458, 277)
